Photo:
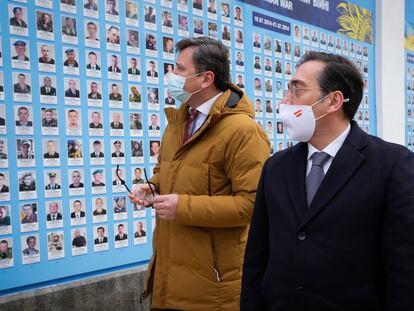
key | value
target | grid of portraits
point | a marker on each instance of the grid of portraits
(409, 80)
(274, 61)
(86, 94)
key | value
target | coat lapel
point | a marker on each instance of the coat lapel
(345, 164)
(295, 171)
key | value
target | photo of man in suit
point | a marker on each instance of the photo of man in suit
(53, 212)
(77, 210)
(116, 124)
(101, 239)
(93, 61)
(117, 147)
(155, 123)
(337, 234)
(47, 89)
(97, 147)
(72, 91)
(3, 151)
(152, 72)
(121, 235)
(114, 67)
(133, 69)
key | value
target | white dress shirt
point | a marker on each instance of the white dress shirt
(332, 149)
(203, 110)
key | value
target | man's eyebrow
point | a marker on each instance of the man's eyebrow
(180, 66)
(297, 82)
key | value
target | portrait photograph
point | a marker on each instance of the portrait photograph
(46, 53)
(55, 245)
(50, 152)
(114, 66)
(98, 182)
(212, 30)
(150, 17)
(100, 238)
(99, 211)
(44, 23)
(152, 71)
(18, 20)
(4, 187)
(94, 93)
(198, 29)
(168, 48)
(117, 151)
(95, 119)
(53, 185)
(153, 98)
(54, 214)
(226, 35)
(93, 63)
(182, 5)
(91, 31)
(1, 89)
(6, 253)
(140, 232)
(73, 122)
(79, 241)
(90, 8)
(132, 36)
(117, 181)
(76, 182)
(154, 147)
(113, 38)
(134, 69)
(96, 151)
(24, 119)
(77, 212)
(119, 207)
(137, 151)
(183, 25)
(22, 89)
(167, 22)
(4, 153)
(131, 13)
(70, 64)
(20, 52)
(115, 95)
(112, 10)
(69, 29)
(47, 89)
(28, 217)
(225, 12)
(75, 152)
(121, 234)
(30, 248)
(154, 126)
(151, 45)
(116, 123)
(198, 7)
(135, 123)
(5, 219)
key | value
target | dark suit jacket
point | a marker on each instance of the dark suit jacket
(52, 91)
(69, 93)
(89, 66)
(120, 126)
(58, 217)
(104, 240)
(130, 71)
(73, 214)
(93, 155)
(149, 74)
(118, 237)
(352, 249)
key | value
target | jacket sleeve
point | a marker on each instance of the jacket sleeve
(398, 236)
(256, 255)
(248, 150)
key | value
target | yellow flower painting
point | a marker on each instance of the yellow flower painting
(355, 22)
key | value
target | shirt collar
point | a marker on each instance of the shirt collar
(333, 148)
(205, 107)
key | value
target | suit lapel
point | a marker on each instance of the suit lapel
(345, 164)
(295, 171)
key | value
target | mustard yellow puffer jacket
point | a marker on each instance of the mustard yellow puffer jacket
(197, 258)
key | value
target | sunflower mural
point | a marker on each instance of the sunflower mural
(409, 36)
(355, 22)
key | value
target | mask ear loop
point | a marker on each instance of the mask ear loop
(344, 101)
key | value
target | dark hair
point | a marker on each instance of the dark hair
(209, 55)
(338, 74)
(100, 228)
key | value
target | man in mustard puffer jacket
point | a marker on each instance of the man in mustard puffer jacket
(212, 153)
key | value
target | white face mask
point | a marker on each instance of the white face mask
(175, 84)
(299, 120)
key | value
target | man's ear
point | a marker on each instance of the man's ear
(208, 78)
(337, 100)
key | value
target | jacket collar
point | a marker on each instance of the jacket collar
(345, 164)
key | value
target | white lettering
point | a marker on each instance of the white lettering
(306, 1)
(321, 4)
(286, 4)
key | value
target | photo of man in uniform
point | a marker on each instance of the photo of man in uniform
(4, 216)
(3, 187)
(116, 124)
(115, 95)
(94, 94)
(69, 26)
(17, 19)
(49, 119)
(29, 214)
(96, 121)
(51, 152)
(21, 87)
(97, 178)
(72, 91)
(140, 230)
(71, 59)
(117, 147)
(44, 22)
(20, 49)
(52, 185)
(45, 57)
(97, 153)
(3, 154)
(25, 149)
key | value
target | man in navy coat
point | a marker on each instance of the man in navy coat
(350, 246)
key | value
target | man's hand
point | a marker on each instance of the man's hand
(166, 206)
(141, 194)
